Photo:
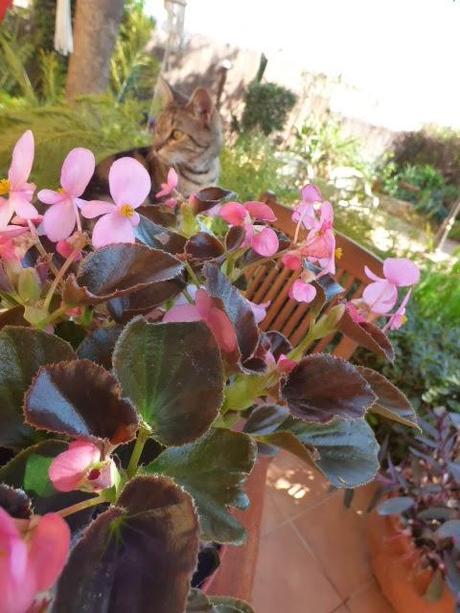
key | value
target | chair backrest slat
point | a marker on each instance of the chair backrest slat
(270, 282)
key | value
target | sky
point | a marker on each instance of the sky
(406, 53)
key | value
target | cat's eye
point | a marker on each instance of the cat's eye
(177, 134)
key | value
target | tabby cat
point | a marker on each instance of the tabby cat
(187, 136)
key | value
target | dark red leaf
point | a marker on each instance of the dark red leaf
(204, 246)
(82, 400)
(322, 387)
(15, 502)
(367, 335)
(208, 197)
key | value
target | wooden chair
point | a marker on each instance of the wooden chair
(271, 282)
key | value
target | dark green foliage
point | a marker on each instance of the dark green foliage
(267, 107)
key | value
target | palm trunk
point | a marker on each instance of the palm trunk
(95, 31)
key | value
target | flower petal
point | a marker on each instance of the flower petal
(22, 206)
(59, 221)
(94, 208)
(260, 211)
(292, 260)
(23, 158)
(402, 272)
(234, 213)
(49, 196)
(372, 275)
(68, 469)
(259, 310)
(173, 179)
(129, 182)
(311, 194)
(6, 212)
(112, 228)
(48, 550)
(182, 312)
(77, 170)
(302, 292)
(265, 243)
(222, 329)
(380, 296)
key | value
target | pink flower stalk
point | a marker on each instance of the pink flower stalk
(398, 318)
(301, 291)
(130, 185)
(82, 468)
(170, 185)
(60, 219)
(31, 559)
(205, 310)
(263, 240)
(382, 294)
(320, 244)
(68, 246)
(20, 192)
(259, 310)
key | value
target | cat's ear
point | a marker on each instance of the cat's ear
(163, 93)
(201, 105)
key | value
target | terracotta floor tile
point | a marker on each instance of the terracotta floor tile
(362, 497)
(288, 579)
(336, 536)
(343, 609)
(272, 516)
(295, 486)
(370, 600)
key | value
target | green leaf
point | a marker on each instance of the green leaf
(117, 270)
(348, 451)
(173, 374)
(435, 588)
(99, 345)
(395, 505)
(82, 400)
(199, 602)
(22, 352)
(322, 387)
(391, 402)
(138, 556)
(213, 470)
(289, 442)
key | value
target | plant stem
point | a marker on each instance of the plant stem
(41, 249)
(54, 315)
(84, 504)
(142, 438)
(64, 268)
(192, 274)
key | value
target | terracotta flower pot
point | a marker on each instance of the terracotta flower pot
(395, 562)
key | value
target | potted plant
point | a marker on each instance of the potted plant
(414, 536)
(136, 386)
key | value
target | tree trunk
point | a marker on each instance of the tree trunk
(447, 226)
(95, 31)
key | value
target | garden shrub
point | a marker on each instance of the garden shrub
(267, 107)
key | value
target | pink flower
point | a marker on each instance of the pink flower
(20, 193)
(355, 313)
(285, 365)
(398, 318)
(300, 291)
(305, 211)
(171, 184)
(81, 468)
(320, 244)
(130, 185)
(382, 294)
(292, 260)
(205, 310)
(9, 249)
(60, 219)
(31, 560)
(259, 310)
(263, 240)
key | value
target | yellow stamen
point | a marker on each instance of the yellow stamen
(126, 210)
(339, 253)
(5, 186)
(60, 190)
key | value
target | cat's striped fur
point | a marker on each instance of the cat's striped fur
(187, 136)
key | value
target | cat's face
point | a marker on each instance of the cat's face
(188, 132)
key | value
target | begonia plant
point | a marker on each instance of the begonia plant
(136, 386)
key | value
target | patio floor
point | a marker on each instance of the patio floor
(313, 556)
